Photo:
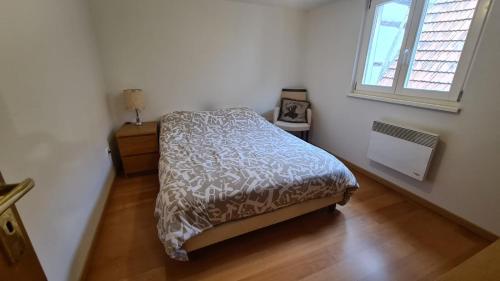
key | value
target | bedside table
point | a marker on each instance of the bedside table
(138, 146)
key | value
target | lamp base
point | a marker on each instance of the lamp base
(138, 121)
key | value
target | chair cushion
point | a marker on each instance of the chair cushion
(294, 111)
(293, 127)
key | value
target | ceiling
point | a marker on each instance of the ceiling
(297, 4)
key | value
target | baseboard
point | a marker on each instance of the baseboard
(423, 202)
(100, 210)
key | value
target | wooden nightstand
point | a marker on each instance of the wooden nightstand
(138, 147)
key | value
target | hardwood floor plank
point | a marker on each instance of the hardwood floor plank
(379, 235)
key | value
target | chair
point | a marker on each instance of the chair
(303, 128)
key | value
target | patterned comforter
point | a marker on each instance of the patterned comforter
(219, 166)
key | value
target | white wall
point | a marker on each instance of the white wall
(197, 55)
(465, 177)
(54, 125)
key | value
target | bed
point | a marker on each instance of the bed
(227, 172)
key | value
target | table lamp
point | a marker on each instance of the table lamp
(135, 102)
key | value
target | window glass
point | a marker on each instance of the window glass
(386, 38)
(440, 41)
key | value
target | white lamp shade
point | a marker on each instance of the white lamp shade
(134, 99)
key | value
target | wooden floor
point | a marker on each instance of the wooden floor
(379, 235)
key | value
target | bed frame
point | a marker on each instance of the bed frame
(235, 228)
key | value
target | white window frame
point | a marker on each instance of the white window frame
(448, 101)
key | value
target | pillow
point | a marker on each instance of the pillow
(293, 111)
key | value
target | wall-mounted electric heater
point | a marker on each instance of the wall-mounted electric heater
(405, 150)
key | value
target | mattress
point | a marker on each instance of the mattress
(223, 165)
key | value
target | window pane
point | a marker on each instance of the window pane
(439, 44)
(386, 37)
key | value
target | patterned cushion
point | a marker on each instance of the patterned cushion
(293, 111)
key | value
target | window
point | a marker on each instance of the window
(418, 49)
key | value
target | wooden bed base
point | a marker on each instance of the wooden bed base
(235, 228)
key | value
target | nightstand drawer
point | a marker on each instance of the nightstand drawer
(138, 145)
(140, 163)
